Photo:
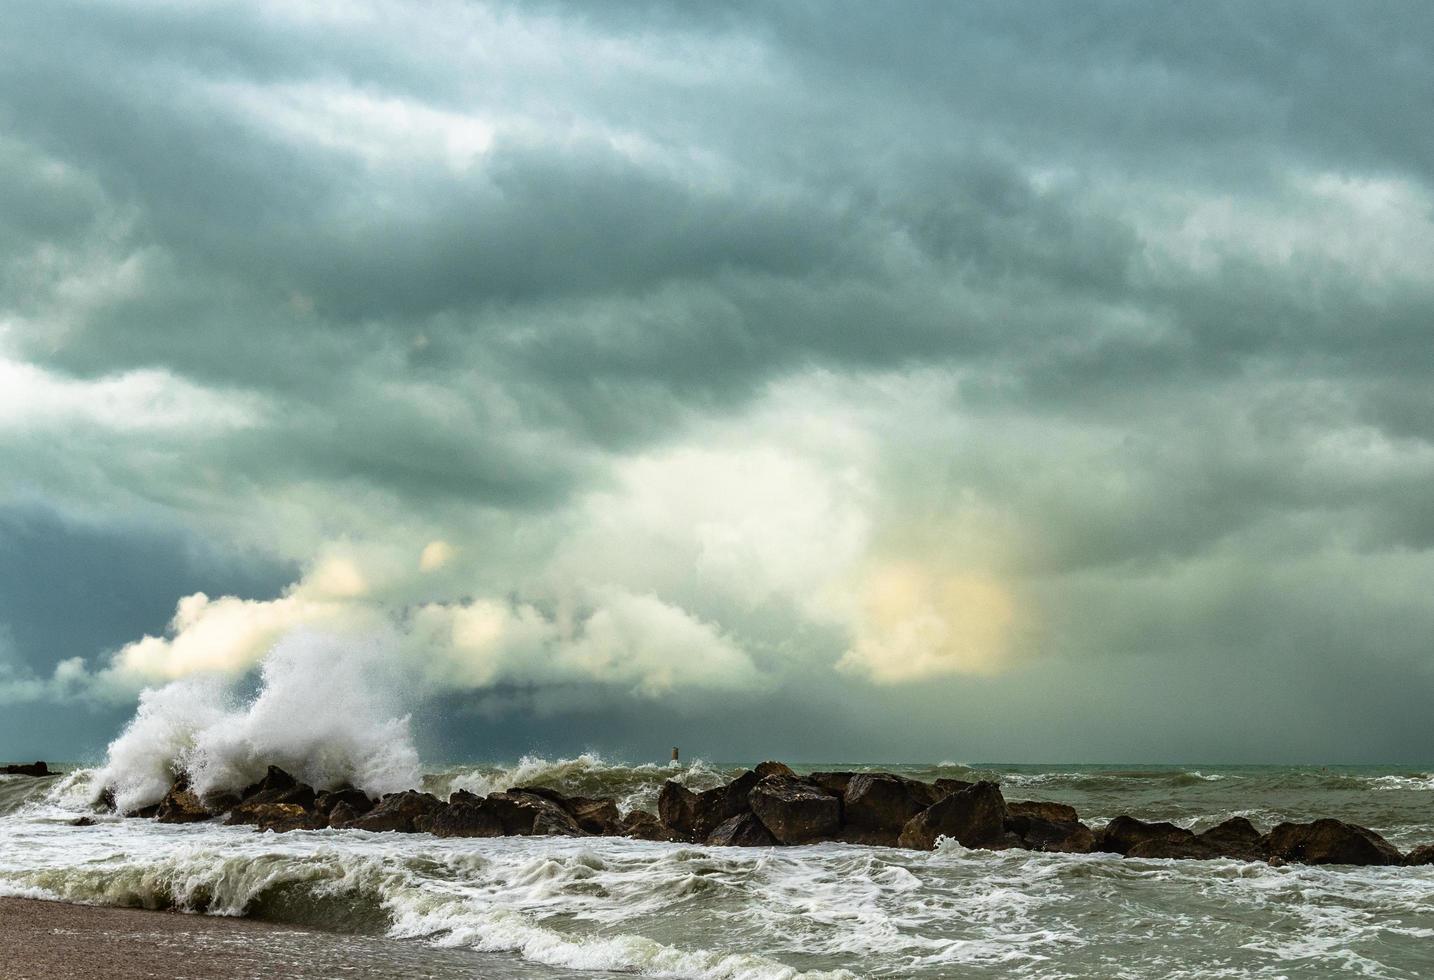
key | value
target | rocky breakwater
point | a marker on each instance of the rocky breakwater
(27, 769)
(772, 806)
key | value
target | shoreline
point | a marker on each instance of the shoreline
(47, 939)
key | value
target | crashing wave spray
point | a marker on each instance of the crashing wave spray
(330, 709)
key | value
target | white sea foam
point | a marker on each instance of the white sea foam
(328, 709)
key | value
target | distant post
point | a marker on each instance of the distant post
(674, 753)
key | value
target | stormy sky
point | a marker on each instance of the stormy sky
(989, 381)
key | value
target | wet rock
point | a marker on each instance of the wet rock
(641, 825)
(743, 830)
(869, 838)
(525, 814)
(795, 812)
(342, 815)
(834, 783)
(878, 801)
(693, 816)
(181, 805)
(476, 818)
(1136, 838)
(596, 816)
(144, 812)
(945, 787)
(105, 802)
(396, 811)
(974, 817)
(26, 769)
(83, 822)
(278, 817)
(1424, 854)
(769, 768)
(1330, 842)
(1234, 838)
(220, 802)
(1053, 836)
(676, 808)
(356, 799)
(278, 786)
(1054, 812)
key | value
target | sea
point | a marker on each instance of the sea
(417, 906)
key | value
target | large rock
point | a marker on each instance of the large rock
(879, 801)
(1423, 854)
(641, 825)
(693, 816)
(770, 768)
(973, 817)
(396, 811)
(596, 816)
(278, 786)
(676, 808)
(355, 799)
(278, 817)
(1234, 838)
(946, 787)
(1133, 837)
(743, 830)
(474, 817)
(1057, 836)
(1330, 842)
(1054, 812)
(182, 805)
(834, 783)
(526, 814)
(27, 769)
(795, 812)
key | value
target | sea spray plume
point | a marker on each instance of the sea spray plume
(330, 709)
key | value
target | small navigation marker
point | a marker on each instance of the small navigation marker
(674, 753)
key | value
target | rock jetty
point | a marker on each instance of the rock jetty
(772, 806)
(32, 769)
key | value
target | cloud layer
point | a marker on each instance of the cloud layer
(981, 374)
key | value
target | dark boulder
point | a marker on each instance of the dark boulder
(278, 817)
(105, 802)
(1136, 838)
(27, 769)
(396, 811)
(641, 825)
(181, 805)
(676, 808)
(525, 814)
(83, 822)
(743, 830)
(356, 799)
(945, 787)
(770, 768)
(596, 816)
(973, 817)
(869, 838)
(693, 816)
(476, 818)
(882, 802)
(278, 786)
(1055, 836)
(795, 812)
(342, 815)
(1234, 838)
(1423, 854)
(1054, 812)
(220, 801)
(144, 812)
(834, 783)
(1330, 842)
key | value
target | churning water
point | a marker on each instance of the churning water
(562, 906)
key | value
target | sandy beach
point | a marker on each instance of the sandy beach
(42, 940)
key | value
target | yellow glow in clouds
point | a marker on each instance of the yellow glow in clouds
(917, 622)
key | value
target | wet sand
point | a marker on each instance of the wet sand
(54, 941)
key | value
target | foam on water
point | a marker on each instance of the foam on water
(620, 906)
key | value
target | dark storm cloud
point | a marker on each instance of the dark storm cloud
(1174, 260)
